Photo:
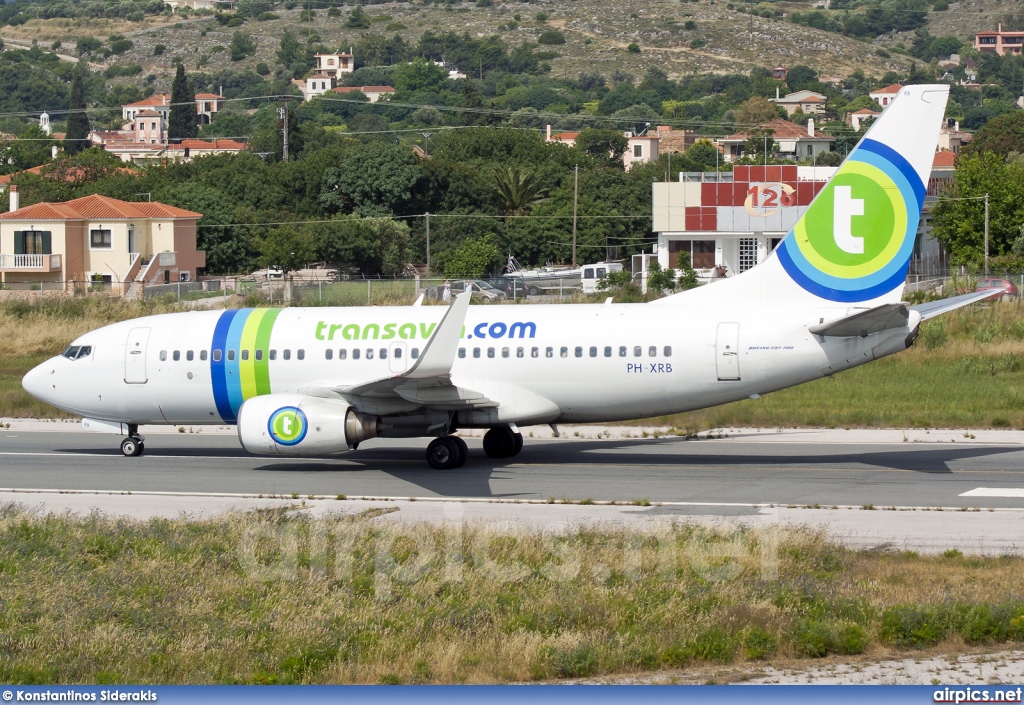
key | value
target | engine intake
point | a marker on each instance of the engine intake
(293, 424)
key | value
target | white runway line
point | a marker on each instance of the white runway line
(995, 492)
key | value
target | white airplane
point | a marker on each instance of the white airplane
(314, 381)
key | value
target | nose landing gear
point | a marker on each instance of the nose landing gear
(133, 446)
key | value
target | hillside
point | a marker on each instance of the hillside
(597, 33)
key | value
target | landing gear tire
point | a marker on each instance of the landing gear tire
(502, 442)
(132, 447)
(446, 453)
(463, 450)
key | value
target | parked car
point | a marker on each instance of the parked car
(482, 291)
(511, 286)
(1009, 288)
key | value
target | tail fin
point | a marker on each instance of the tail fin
(854, 242)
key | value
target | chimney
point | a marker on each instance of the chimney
(53, 152)
(810, 127)
(549, 133)
(776, 92)
(15, 200)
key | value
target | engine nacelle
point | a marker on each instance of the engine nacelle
(293, 424)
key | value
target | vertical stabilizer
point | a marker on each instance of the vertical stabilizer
(854, 243)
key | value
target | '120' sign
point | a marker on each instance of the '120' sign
(764, 200)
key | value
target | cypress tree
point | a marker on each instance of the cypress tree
(77, 137)
(182, 120)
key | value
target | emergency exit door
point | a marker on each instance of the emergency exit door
(135, 356)
(727, 351)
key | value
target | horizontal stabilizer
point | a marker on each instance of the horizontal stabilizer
(936, 308)
(875, 320)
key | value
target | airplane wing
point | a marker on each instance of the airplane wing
(428, 382)
(873, 320)
(890, 316)
(935, 308)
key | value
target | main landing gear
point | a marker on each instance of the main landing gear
(449, 452)
(133, 446)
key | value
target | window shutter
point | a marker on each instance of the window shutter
(47, 240)
(19, 242)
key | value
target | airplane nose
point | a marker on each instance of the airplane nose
(37, 381)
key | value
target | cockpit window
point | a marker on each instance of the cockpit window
(77, 352)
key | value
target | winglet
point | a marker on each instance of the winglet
(439, 354)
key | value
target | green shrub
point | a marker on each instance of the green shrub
(697, 43)
(551, 36)
(577, 662)
(934, 336)
(759, 643)
(982, 627)
(851, 639)
(159, 49)
(633, 48)
(714, 644)
(813, 638)
(912, 625)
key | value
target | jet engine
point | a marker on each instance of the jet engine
(293, 424)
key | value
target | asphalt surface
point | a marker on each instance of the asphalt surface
(739, 469)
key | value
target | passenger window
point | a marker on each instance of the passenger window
(652, 351)
(520, 352)
(301, 354)
(668, 351)
(287, 355)
(622, 351)
(462, 352)
(86, 351)
(328, 354)
(564, 351)
(259, 355)
(490, 352)
(638, 351)
(177, 355)
(534, 352)
(549, 352)
(607, 350)
(163, 354)
(593, 351)
(231, 354)
(355, 353)
(273, 354)
(504, 352)
(216, 355)
(579, 351)
(189, 356)
(342, 353)
(369, 353)
(202, 355)
(415, 353)
(245, 354)
(383, 353)
(398, 353)
(476, 352)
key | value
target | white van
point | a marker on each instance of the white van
(592, 274)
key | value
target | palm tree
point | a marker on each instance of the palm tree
(518, 190)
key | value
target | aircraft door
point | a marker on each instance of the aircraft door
(727, 351)
(398, 358)
(135, 356)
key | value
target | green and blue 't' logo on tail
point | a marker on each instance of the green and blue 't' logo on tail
(854, 242)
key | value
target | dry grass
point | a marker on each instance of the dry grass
(262, 598)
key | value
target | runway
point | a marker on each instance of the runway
(826, 468)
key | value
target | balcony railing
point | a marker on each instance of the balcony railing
(30, 263)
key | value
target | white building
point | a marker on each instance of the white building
(337, 64)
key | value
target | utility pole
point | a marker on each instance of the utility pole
(428, 243)
(575, 203)
(283, 113)
(986, 234)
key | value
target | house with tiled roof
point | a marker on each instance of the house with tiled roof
(885, 96)
(859, 118)
(338, 63)
(188, 149)
(98, 240)
(801, 101)
(566, 138)
(791, 140)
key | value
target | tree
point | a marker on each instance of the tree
(604, 146)
(705, 155)
(517, 190)
(959, 224)
(474, 259)
(286, 247)
(756, 111)
(181, 123)
(357, 19)
(241, 46)
(660, 280)
(374, 245)
(1002, 134)
(374, 179)
(419, 74)
(77, 137)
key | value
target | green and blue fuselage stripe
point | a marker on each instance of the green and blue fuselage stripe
(234, 379)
